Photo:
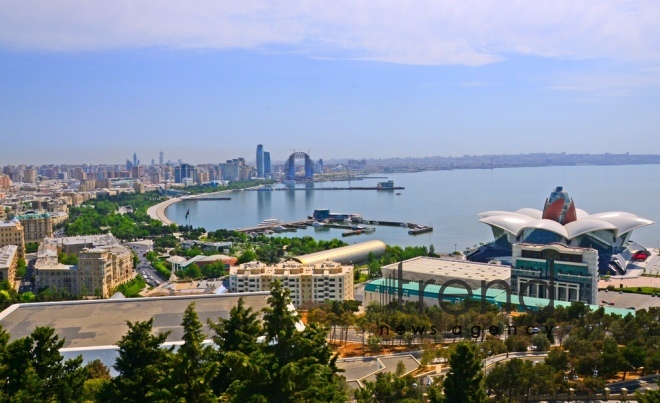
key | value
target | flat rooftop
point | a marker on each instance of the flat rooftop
(427, 267)
(103, 322)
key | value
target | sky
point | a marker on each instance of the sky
(205, 81)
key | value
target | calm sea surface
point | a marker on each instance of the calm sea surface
(447, 200)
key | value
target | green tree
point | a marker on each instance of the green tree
(142, 365)
(21, 268)
(464, 380)
(34, 370)
(247, 256)
(193, 368)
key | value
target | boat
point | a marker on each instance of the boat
(270, 222)
(318, 224)
(420, 229)
(351, 232)
(368, 230)
(398, 193)
(279, 229)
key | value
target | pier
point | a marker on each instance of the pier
(353, 229)
(293, 225)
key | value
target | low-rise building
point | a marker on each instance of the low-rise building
(440, 271)
(8, 262)
(572, 271)
(309, 283)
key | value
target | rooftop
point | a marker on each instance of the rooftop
(103, 322)
(7, 254)
(459, 269)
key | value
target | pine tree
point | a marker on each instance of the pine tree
(464, 380)
(141, 364)
(193, 368)
(236, 339)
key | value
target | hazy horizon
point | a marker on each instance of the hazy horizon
(206, 81)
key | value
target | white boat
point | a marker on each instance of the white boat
(318, 224)
(270, 222)
(369, 229)
(279, 229)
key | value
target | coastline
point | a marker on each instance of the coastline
(157, 212)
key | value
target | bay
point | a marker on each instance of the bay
(447, 200)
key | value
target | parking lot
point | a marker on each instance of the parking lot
(627, 300)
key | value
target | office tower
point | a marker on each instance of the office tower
(160, 158)
(267, 168)
(260, 161)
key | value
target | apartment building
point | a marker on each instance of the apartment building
(98, 272)
(316, 282)
(8, 262)
(36, 227)
(12, 233)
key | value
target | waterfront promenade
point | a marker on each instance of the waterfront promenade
(157, 212)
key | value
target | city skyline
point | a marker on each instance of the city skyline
(343, 80)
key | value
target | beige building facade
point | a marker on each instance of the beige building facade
(36, 226)
(98, 272)
(12, 233)
(8, 262)
(308, 283)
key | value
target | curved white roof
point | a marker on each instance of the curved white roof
(511, 222)
(581, 227)
(619, 222)
(548, 225)
(532, 212)
(624, 222)
(486, 214)
(580, 214)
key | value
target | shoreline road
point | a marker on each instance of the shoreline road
(157, 212)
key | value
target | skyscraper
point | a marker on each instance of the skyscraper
(160, 158)
(267, 167)
(260, 161)
(135, 160)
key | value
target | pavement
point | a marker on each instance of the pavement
(157, 212)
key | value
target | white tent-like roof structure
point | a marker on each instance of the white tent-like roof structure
(514, 223)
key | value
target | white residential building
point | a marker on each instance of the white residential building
(315, 282)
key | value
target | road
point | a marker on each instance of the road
(144, 267)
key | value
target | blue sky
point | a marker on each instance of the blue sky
(206, 81)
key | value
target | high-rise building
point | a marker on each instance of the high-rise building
(184, 171)
(160, 158)
(260, 161)
(30, 175)
(267, 167)
(135, 160)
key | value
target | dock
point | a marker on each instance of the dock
(293, 225)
